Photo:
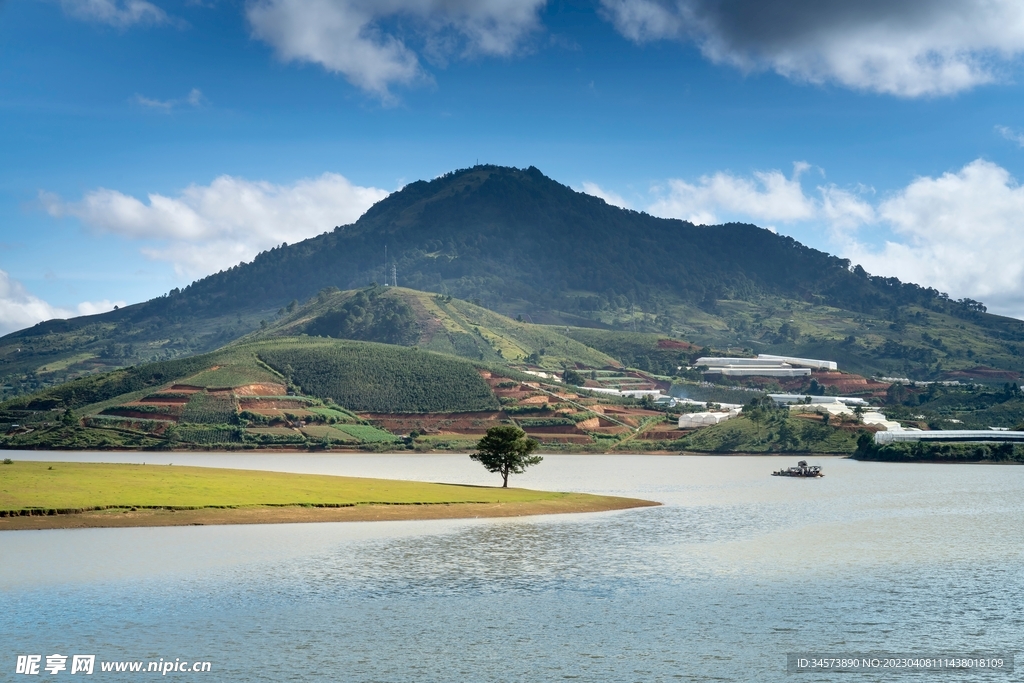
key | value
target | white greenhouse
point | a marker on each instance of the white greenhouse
(704, 419)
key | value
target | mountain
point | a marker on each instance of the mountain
(519, 243)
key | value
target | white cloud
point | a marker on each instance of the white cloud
(20, 309)
(96, 307)
(194, 99)
(207, 228)
(959, 232)
(844, 209)
(1011, 135)
(367, 42)
(768, 196)
(117, 13)
(594, 190)
(910, 48)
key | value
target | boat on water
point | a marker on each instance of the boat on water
(802, 469)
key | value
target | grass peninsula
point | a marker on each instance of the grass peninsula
(50, 495)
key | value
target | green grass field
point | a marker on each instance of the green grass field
(81, 486)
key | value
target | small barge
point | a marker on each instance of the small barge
(802, 469)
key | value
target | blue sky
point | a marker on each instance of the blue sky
(148, 143)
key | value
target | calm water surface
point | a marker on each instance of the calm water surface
(734, 571)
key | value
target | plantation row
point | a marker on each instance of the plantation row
(379, 378)
(211, 409)
(206, 436)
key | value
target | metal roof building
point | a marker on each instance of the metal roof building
(950, 436)
(750, 367)
(802, 362)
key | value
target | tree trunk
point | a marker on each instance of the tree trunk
(504, 479)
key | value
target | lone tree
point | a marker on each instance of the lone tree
(506, 450)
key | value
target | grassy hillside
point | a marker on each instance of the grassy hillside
(650, 352)
(433, 322)
(57, 351)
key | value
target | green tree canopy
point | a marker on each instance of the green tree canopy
(506, 450)
(570, 376)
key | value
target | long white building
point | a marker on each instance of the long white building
(782, 399)
(949, 436)
(802, 362)
(750, 367)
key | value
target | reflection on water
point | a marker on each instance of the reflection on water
(736, 569)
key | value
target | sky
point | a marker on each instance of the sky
(147, 143)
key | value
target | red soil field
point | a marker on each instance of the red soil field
(261, 390)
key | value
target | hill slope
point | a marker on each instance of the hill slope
(282, 391)
(518, 242)
(433, 322)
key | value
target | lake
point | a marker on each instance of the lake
(733, 572)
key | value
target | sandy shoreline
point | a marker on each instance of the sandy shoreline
(300, 514)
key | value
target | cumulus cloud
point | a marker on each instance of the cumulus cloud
(767, 196)
(594, 190)
(117, 13)
(207, 228)
(20, 309)
(910, 48)
(959, 232)
(368, 41)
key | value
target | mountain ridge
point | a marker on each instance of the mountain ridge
(522, 244)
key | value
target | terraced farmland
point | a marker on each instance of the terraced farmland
(212, 408)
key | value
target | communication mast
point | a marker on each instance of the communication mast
(385, 265)
(394, 275)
